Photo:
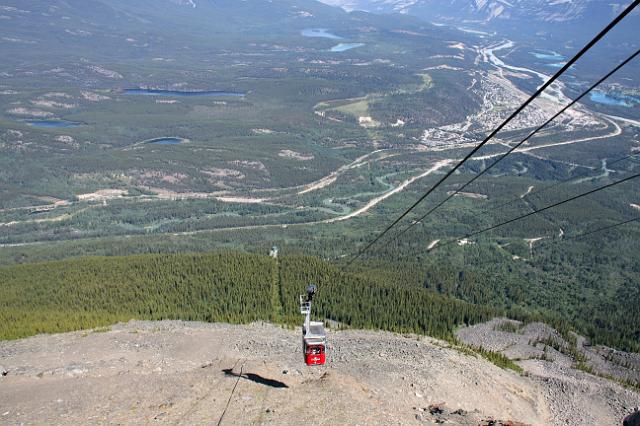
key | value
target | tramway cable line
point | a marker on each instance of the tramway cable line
(534, 212)
(556, 184)
(604, 228)
(516, 146)
(540, 89)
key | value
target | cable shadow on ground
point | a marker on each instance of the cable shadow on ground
(256, 378)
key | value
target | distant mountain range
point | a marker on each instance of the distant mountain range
(488, 10)
(574, 17)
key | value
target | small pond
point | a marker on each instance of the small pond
(319, 32)
(341, 47)
(549, 56)
(614, 99)
(181, 93)
(53, 123)
(165, 141)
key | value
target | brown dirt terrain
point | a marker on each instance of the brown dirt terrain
(173, 372)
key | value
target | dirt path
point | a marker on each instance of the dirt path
(616, 132)
(331, 178)
(374, 201)
(528, 191)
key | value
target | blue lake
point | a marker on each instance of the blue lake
(345, 46)
(552, 56)
(319, 32)
(559, 65)
(181, 93)
(52, 123)
(614, 99)
(165, 141)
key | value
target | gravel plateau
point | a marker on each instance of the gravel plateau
(174, 372)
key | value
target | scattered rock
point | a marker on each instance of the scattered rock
(3, 371)
(164, 405)
(76, 372)
(491, 422)
(285, 371)
(436, 408)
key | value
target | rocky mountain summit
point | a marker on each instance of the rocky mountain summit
(174, 372)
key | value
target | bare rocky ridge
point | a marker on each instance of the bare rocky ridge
(173, 372)
(538, 341)
(551, 360)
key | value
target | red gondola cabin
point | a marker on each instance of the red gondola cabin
(314, 343)
(314, 339)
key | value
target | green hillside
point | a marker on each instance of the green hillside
(229, 287)
(240, 287)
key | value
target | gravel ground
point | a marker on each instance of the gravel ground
(189, 373)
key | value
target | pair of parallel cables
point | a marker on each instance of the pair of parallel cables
(539, 91)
